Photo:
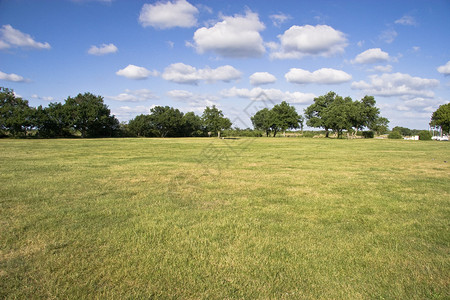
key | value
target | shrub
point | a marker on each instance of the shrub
(368, 134)
(395, 135)
(309, 134)
(424, 135)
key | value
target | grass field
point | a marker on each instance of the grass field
(206, 218)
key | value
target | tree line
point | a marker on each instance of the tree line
(86, 115)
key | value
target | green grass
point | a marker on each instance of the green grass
(219, 219)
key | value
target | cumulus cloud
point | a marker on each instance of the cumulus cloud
(406, 20)
(259, 78)
(300, 41)
(135, 72)
(321, 76)
(236, 36)
(124, 113)
(195, 101)
(278, 19)
(259, 94)
(397, 84)
(445, 69)
(169, 14)
(374, 55)
(186, 74)
(133, 96)
(12, 77)
(103, 49)
(11, 37)
(382, 69)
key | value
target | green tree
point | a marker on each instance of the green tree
(52, 121)
(285, 117)
(141, 126)
(90, 116)
(379, 125)
(337, 116)
(263, 120)
(192, 125)
(16, 117)
(424, 135)
(214, 120)
(315, 112)
(395, 135)
(364, 113)
(166, 120)
(402, 130)
(441, 118)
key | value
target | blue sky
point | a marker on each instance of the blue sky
(238, 55)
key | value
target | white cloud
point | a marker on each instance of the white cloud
(124, 113)
(135, 72)
(371, 56)
(168, 14)
(236, 36)
(182, 73)
(279, 19)
(299, 41)
(321, 76)
(10, 37)
(133, 96)
(49, 99)
(259, 78)
(397, 84)
(406, 20)
(445, 69)
(388, 36)
(258, 93)
(382, 69)
(12, 77)
(196, 102)
(103, 49)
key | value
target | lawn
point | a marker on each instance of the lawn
(263, 218)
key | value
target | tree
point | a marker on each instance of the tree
(52, 121)
(337, 116)
(90, 116)
(16, 117)
(364, 113)
(379, 125)
(214, 120)
(441, 118)
(141, 125)
(402, 130)
(191, 125)
(315, 112)
(263, 120)
(284, 117)
(166, 120)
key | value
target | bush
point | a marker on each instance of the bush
(308, 134)
(424, 135)
(368, 134)
(395, 135)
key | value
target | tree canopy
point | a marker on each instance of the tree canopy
(280, 118)
(214, 120)
(441, 118)
(334, 112)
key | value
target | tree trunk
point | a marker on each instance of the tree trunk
(218, 134)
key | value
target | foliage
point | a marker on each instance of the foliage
(331, 111)
(16, 117)
(425, 135)
(379, 125)
(167, 121)
(395, 135)
(53, 121)
(368, 134)
(141, 126)
(280, 118)
(90, 116)
(402, 130)
(441, 118)
(214, 120)
(192, 125)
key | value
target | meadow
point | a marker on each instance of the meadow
(204, 218)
